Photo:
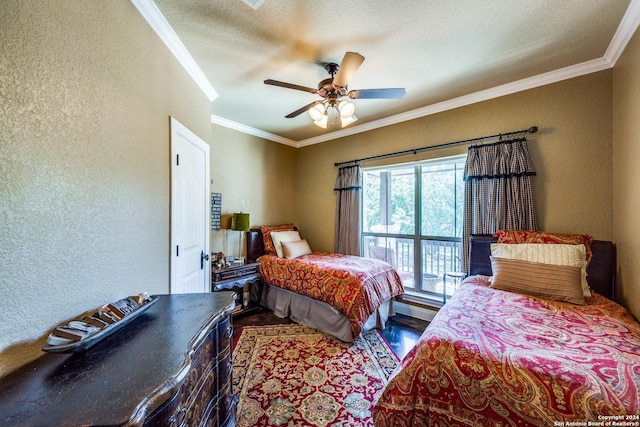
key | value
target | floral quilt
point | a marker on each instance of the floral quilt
(353, 285)
(492, 357)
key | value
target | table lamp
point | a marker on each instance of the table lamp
(240, 222)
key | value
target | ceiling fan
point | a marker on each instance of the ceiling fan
(331, 91)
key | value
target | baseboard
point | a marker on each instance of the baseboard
(413, 310)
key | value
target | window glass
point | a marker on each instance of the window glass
(389, 201)
(422, 244)
(442, 199)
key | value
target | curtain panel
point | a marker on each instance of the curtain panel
(347, 227)
(498, 191)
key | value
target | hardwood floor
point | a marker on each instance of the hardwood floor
(401, 332)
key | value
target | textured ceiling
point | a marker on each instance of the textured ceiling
(437, 50)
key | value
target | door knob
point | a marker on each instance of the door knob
(203, 257)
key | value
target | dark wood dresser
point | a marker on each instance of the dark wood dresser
(170, 366)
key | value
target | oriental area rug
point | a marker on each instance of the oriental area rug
(290, 375)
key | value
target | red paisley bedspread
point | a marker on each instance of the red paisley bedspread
(494, 358)
(354, 286)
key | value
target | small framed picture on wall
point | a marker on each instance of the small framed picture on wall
(216, 210)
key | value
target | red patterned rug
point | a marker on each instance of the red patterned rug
(292, 375)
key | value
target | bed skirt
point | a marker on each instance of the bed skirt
(320, 315)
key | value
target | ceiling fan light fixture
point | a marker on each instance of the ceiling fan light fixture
(345, 121)
(346, 109)
(325, 113)
(317, 112)
(322, 123)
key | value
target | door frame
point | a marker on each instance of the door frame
(178, 129)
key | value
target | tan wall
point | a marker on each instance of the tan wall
(87, 89)
(255, 176)
(572, 154)
(626, 172)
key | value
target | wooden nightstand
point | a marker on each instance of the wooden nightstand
(235, 279)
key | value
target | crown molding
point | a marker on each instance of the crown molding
(159, 24)
(626, 29)
(217, 120)
(565, 73)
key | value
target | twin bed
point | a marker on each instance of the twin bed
(338, 294)
(494, 357)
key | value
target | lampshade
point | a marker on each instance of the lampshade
(348, 120)
(346, 109)
(240, 222)
(317, 112)
(322, 122)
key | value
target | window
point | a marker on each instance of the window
(412, 218)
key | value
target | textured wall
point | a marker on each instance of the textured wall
(86, 92)
(572, 154)
(254, 176)
(626, 172)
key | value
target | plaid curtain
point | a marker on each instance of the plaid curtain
(498, 193)
(347, 232)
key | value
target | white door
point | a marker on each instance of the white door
(190, 268)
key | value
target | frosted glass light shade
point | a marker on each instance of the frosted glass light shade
(317, 112)
(346, 109)
(322, 123)
(347, 120)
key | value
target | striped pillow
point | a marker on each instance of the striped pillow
(556, 254)
(556, 282)
(294, 250)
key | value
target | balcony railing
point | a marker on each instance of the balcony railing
(437, 257)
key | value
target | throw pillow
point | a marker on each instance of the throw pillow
(533, 236)
(555, 254)
(294, 250)
(266, 236)
(556, 282)
(279, 237)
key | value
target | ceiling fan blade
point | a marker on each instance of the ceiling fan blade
(302, 109)
(290, 86)
(389, 93)
(348, 67)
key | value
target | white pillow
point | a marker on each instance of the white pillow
(552, 253)
(296, 249)
(277, 237)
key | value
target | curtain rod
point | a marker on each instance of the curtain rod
(532, 129)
